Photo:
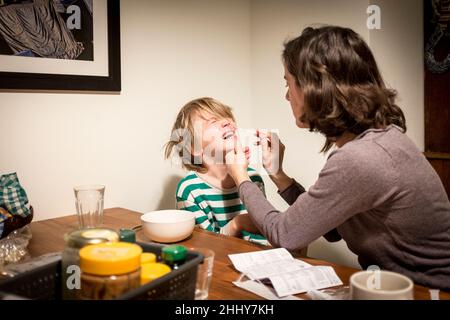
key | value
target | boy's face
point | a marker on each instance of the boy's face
(215, 136)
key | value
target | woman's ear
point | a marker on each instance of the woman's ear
(302, 125)
(302, 122)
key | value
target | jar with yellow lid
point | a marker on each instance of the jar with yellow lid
(109, 270)
(76, 240)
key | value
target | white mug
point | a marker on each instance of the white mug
(380, 285)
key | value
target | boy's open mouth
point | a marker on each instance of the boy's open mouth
(228, 134)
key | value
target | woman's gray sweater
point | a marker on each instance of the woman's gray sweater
(380, 194)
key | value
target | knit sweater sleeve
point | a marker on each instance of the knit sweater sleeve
(348, 184)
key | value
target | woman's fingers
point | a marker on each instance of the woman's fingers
(237, 145)
(272, 150)
(264, 142)
(247, 153)
(263, 138)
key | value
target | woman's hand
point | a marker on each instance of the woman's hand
(272, 158)
(272, 152)
(237, 162)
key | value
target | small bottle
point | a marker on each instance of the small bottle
(152, 271)
(148, 257)
(174, 255)
(127, 235)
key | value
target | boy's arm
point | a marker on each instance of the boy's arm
(201, 217)
(233, 228)
(241, 222)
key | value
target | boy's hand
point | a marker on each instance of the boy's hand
(242, 222)
(237, 162)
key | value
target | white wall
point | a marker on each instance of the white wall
(173, 51)
(398, 48)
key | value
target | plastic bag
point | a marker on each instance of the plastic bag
(338, 293)
(13, 248)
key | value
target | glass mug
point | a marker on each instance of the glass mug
(379, 284)
(89, 204)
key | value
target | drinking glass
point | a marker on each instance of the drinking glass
(89, 204)
(204, 273)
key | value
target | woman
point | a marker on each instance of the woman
(376, 191)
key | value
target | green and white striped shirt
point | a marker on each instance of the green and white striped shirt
(213, 207)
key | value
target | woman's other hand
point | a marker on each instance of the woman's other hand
(237, 162)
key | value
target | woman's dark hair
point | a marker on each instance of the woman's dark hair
(342, 87)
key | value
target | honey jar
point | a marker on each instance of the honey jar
(108, 270)
(76, 240)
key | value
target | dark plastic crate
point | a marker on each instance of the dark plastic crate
(44, 283)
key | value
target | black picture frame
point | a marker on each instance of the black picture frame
(42, 81)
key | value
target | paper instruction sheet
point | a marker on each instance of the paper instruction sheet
(287, 275)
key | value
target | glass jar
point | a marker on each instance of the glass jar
(108, 270)
(76, 240)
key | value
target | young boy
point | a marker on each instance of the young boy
(204, 131)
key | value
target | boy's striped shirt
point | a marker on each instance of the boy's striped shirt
(215, 208)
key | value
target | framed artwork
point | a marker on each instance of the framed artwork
(60, 45)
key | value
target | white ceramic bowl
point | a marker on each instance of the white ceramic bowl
(168, 226)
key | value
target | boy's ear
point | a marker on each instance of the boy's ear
(197, 151)
(197, 155)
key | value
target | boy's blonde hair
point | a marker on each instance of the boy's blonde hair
(184, 125)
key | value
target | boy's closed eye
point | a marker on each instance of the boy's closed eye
(212, 121)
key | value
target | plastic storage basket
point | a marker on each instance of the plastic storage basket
(44, 283)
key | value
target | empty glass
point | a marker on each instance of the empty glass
(204, 273)
(89, 203)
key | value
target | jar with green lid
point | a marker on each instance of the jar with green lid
(76, 240)
(174, 255)
(108, 270)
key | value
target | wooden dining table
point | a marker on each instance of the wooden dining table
(48, 236)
